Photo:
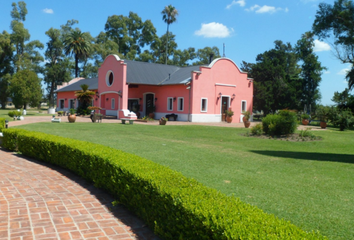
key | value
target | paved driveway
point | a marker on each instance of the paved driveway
(40, 201)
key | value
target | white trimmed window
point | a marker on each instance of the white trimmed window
(204, 105)
(61, 103)
(113, 103)
(169, 104)
(243, 106)
(109, 78)
(180, 104)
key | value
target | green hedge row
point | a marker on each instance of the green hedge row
(283, 123)
(2, 124)
(176, 207)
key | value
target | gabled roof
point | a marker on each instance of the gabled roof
(91, 82)
(157, 74)
(143, 73)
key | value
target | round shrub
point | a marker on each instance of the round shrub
(282, 123)
(257, 130)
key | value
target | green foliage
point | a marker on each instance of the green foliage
(343, 119)
(305, 116)
(322, 113)
(84, 96)
(15, 113)
(2, 124)
(229, 113)
(247, 115)
(283, 123)
(25, 87)
(176, 207)
(257, 129)
(344, 99)
(72, 111)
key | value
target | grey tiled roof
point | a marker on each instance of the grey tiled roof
(143, 73)
(91, 82)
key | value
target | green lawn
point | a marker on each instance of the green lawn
(309, 183)
(29, 112)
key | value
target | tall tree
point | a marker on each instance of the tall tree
(25, 87)
(84, 96)
(311, 70)
(206, 54)
(169, 16)
(76, 44)
(56, 69)
(6, 68)
(337, 20)
(276, 79)
(26, 54)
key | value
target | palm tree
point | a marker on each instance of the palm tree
(76, 43)
(169, 15)
(84, 96)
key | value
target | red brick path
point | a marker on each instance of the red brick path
(39, 201)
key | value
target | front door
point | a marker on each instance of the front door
(224, 107)
(149, 103)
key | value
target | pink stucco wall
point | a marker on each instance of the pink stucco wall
(224, 77)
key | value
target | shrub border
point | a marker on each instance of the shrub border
(176, 207)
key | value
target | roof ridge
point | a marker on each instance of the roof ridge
(169, 77)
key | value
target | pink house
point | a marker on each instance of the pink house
(195, 93)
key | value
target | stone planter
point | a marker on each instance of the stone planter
(323, 125)
(72, 118)
(305, 121)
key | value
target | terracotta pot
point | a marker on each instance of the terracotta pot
(323, 124)
(228, 119)
(162, 122)
(247, 124)
(305, 121)
(152, 115)
(72, 118)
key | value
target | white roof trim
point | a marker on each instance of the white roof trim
(217, 59)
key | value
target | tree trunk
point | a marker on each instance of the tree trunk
(166, 44)
(76, 66)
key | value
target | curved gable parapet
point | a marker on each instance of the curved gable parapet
(114, 55)
(224, 58)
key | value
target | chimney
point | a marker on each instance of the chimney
(211, 56)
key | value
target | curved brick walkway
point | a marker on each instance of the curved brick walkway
(39, 201)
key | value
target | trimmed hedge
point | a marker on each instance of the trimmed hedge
(176, 207)
(2, 124)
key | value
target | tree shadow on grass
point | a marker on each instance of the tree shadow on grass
(329, 157)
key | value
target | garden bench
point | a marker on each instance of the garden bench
(56, 120)
(131, 121)
(174, 116)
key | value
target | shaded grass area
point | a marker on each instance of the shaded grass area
(308, 183)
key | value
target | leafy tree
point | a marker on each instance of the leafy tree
(26, 54)
(25, 88)
(311, 70)
(344, 100)
(337, 20)
(276, 79)
(204, 55)
(169, 14)
(76, 43)
(56, 68)
(84, 96)
(6, 57)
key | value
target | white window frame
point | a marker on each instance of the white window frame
(206, 105)
(243, 110)
(170, 108)
(178, 106)
(92, 102)
(113, 103)
(107, 78)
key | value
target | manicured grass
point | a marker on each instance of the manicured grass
(29, 112)
(308, 183)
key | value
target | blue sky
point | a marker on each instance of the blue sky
(247, 27)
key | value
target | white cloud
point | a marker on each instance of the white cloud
(242, 3)
(266, 9)
(48, 10)
(213, 30)
(344, 71)
(321, 46)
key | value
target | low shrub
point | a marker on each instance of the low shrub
(2, 124)
(14, 113)
(257, 129)
(176, 207)
(343, 119)
(283, 123)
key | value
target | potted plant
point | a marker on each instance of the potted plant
(305, 119)
(152, 111)
(322, 114)
(163, 121)
(246, 119)
(229, 113)
(72, 116)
